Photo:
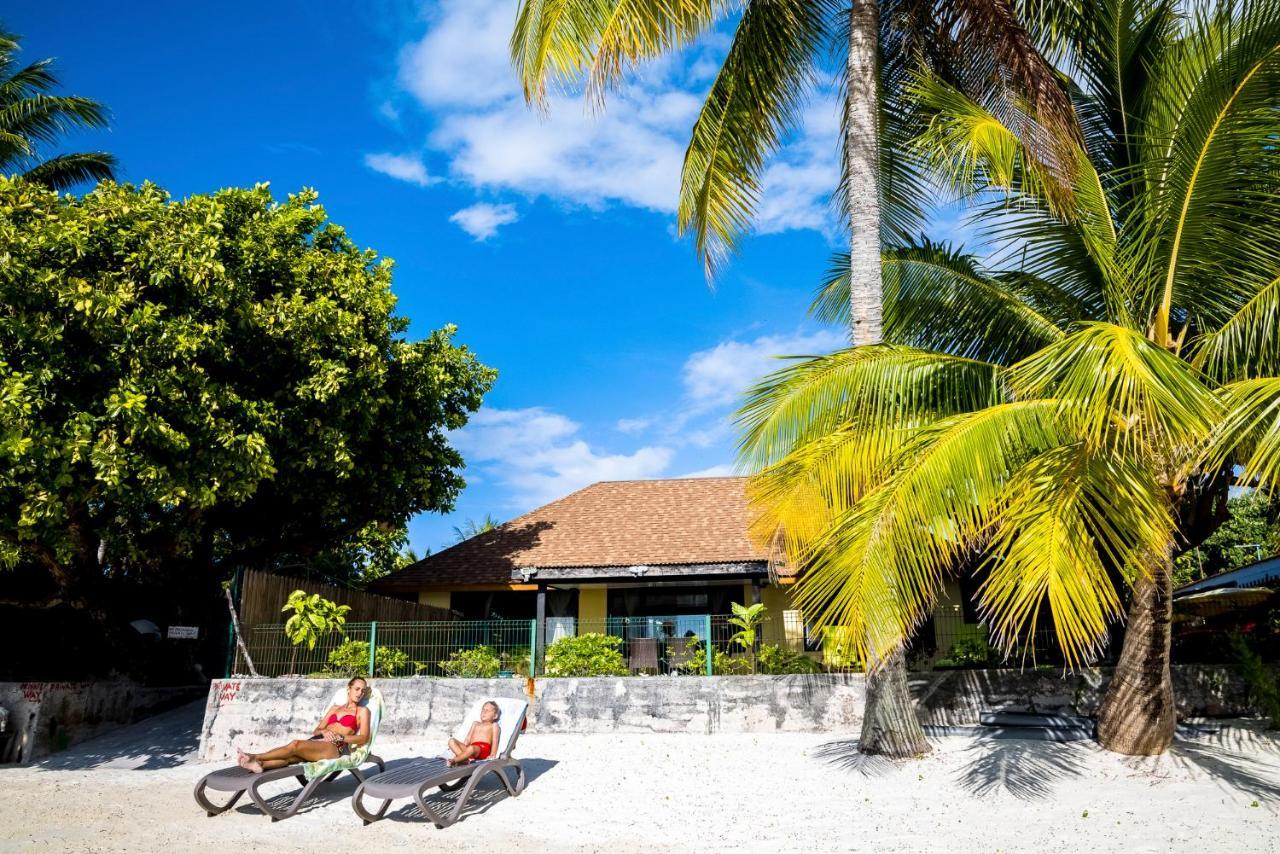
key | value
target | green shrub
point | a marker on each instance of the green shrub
(586, 655)
(479, 662)
(722, 664)
(352, 659)
(777, 659)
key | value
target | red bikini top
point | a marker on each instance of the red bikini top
(349, 721)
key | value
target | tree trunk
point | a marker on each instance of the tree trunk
(862, 166)
(889, 723)
(1138, 715)
(235, 626)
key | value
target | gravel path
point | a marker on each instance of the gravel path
(650, 793)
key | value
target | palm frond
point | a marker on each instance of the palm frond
(876, 570)
(563, 41)
(1122, 389)
(67, 170)
(1250, 433)
(752, 104)
(876, 386)
(1069, 516)
(1210, 163)
(1248, 344)
(938, 299)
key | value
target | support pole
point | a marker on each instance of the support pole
(706, 626)
(373, 645)
(540, 628)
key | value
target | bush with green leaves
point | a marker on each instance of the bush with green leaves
(352, 659)
(586, 655)
(516, 660)
(1263, 685)
(776, 659)
(478, 662)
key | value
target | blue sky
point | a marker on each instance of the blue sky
(548, 240)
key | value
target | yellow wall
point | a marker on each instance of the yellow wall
(783, 623)
(434, 598)
(593, 604)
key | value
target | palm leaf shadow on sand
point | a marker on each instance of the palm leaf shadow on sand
(845, 756)
(1026, 769)
(1240, 759)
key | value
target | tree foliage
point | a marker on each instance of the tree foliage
(220, 379)
(1250, 533)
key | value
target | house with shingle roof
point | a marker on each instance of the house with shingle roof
(637, 559)
(673, 550)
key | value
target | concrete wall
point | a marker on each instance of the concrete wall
(264, 712)
(51, 716)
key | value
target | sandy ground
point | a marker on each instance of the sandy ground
(651, 793)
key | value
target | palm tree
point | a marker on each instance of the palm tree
(1055, 420)
(778, 53)
(471, 528)
(30, 118)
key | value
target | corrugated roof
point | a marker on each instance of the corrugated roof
(612, 523)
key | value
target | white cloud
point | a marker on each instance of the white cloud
(538, 456)
(633, 425)
(720, 375)
(406, 167)
(630, 153)
(483, 220)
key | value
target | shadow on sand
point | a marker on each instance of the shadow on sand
(488, 791)
(166, 740)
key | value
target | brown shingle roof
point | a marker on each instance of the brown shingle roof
(613, 523)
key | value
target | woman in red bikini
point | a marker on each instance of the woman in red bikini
(481, 738)
(341, 728)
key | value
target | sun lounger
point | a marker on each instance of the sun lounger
(413, 781)
(238, 780)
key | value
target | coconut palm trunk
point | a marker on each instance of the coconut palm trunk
(889, 723)
(1138, 716)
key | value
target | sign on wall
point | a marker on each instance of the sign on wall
(184, 632)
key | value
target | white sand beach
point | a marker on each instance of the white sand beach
(651, 793)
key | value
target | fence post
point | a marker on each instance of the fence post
(533, 647)
(706, 625)
(373, 644)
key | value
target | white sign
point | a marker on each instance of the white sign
(184, 632)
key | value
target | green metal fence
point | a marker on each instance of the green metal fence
(677, 645)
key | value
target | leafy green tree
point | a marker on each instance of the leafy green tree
(1057, 416)
(313, 618)
(221, 381)
(31, 118)
(471, 528)
(1250, 533)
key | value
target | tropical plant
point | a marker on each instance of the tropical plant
(313, 618)
(1058, 416)
(472, 528)
(780, 51)
(141, 437)
(589, 654)
(31, 118)
(351, 658)
(479, 662)
(748, 619)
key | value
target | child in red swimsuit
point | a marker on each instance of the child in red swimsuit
(481, 738)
